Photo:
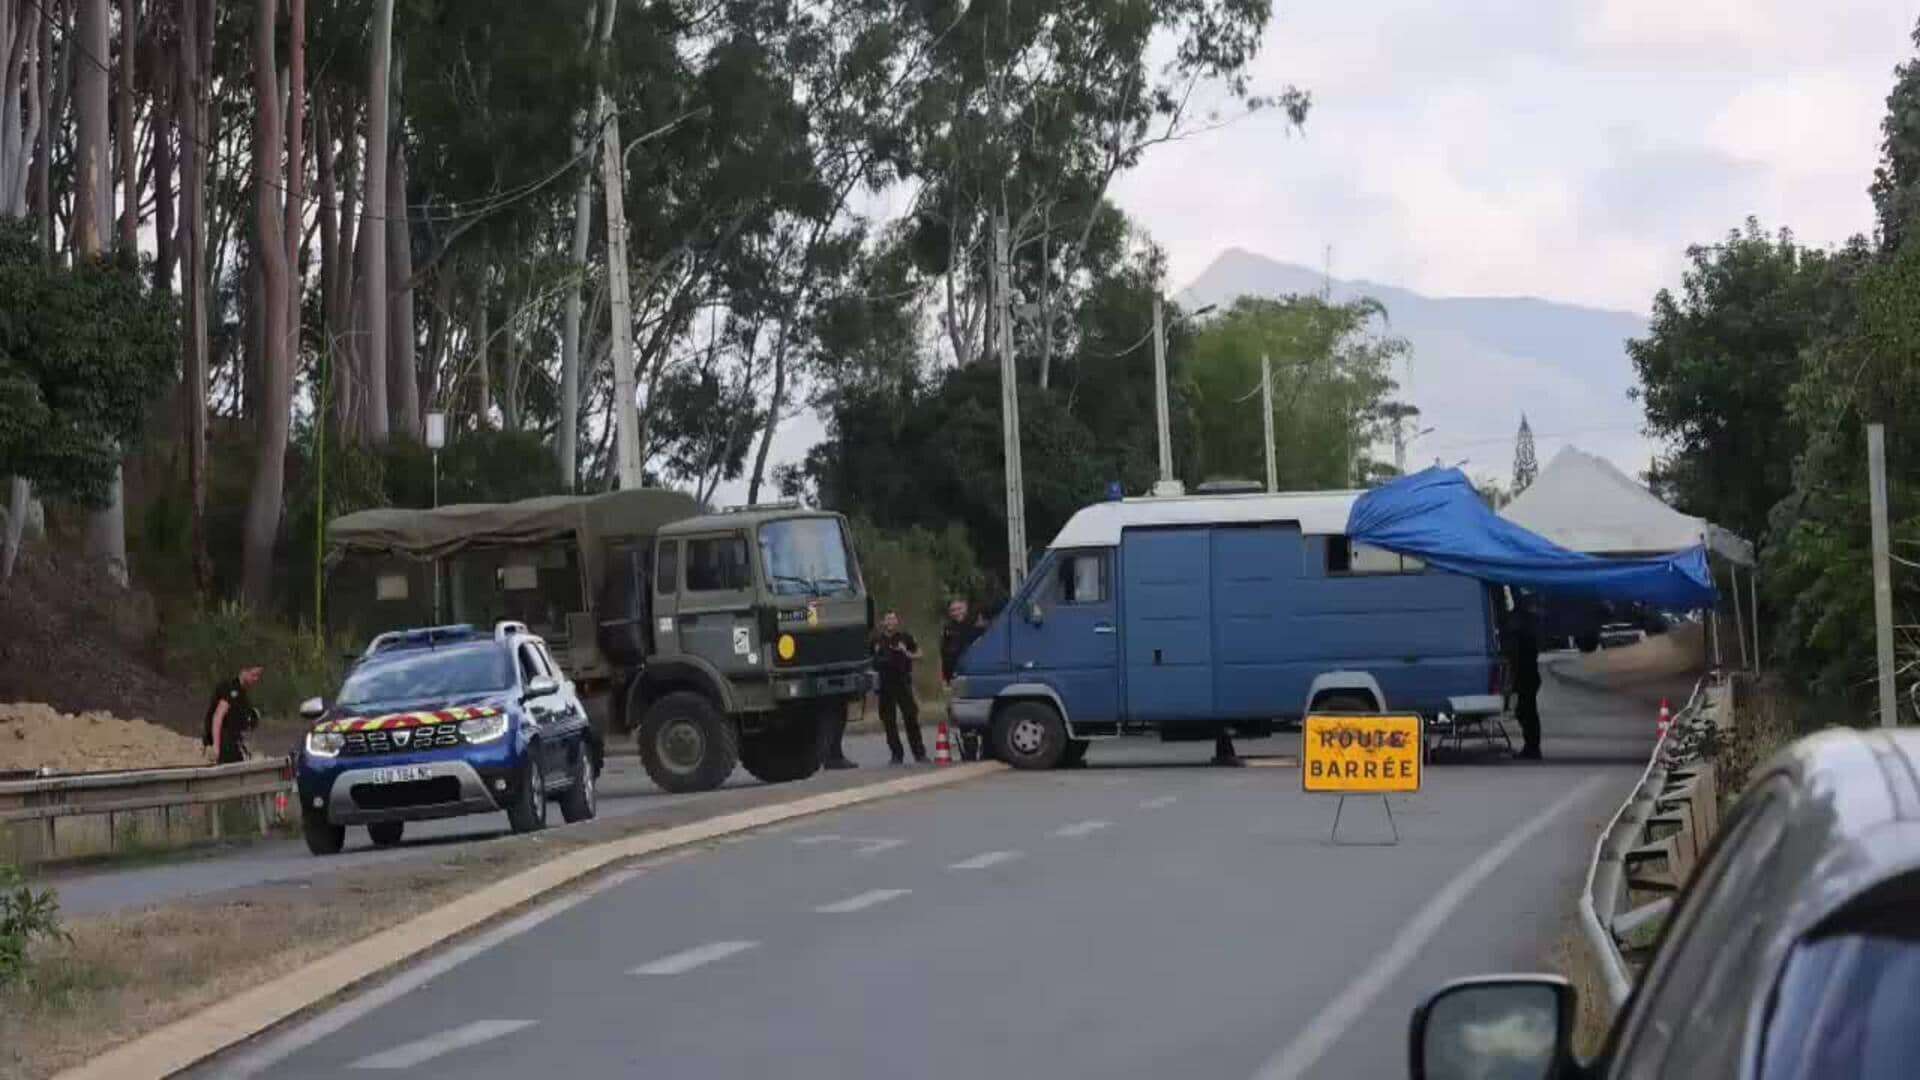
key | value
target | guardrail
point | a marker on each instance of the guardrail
(1654, 839)
(63, 816)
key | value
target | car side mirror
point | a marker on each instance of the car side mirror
(312, 709)
(541, 686)
(1517, 1027)
(1035, 615)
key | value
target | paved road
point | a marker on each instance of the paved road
(1144, 917)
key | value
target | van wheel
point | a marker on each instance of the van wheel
(1029, 735)
(580, 802)
(1346, 702)
(528, 811)
(686, 744)
(788, 750)
(386, 833)
(322, 838)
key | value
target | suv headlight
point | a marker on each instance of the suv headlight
(325, 743)
(484, 728)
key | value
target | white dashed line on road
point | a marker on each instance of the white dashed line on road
(861, 902)
(410, 1054)
(1159, 801)
(681, 962)
(868, 845)
(981, 862)
(1081, 828)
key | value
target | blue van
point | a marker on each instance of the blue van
(1192, 615)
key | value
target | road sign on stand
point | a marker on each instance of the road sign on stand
(1361, 754)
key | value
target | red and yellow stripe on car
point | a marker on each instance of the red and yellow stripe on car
(393, 721)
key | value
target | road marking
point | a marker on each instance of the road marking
(1299, 1057)
(1081, 828)
(864, 900)
(413, 1053)
(277, 1050)
(981, 862)
(1159, 801)
(681, 962)
(868, 845)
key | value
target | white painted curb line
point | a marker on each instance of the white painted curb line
(188, 1041)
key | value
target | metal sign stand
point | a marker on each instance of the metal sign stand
(1333, 836)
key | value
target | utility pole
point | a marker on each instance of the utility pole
(626, 430)
(1266, 419)
(1167, 484)
(1009, 408)
(1882, 575)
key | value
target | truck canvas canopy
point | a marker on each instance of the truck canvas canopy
(1436, 515)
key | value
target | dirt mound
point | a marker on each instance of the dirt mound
(1677, 652)
(34, 736)
(71, 638)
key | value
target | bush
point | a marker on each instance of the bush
(915, 571)
(213, 644)
(25, 914)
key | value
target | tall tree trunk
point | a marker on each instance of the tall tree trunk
(165, 248)
(129, 142)
(190, 104)
(293, 227)
(22, 112)
(93, 210)
(567, 448)
(400, 354)
(270, 253)
(374, 254)
(482, 345)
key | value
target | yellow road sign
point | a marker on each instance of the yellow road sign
(1360, 754)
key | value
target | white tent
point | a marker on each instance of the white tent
(1581, 502)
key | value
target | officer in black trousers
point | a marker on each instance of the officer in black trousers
(1523, 665)
(894, 651)
(959, 631)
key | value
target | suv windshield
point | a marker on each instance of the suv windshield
(468, 669)
(805, 556)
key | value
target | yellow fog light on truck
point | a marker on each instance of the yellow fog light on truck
(786, 646)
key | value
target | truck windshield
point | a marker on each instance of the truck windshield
(805, 557)
(469, 669)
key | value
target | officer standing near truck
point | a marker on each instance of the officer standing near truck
(230, 715)
(894, 651)
(959, 631)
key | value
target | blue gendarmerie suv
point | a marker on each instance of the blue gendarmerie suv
(443, 721)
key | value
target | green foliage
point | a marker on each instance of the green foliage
(915, 571)
(1331, 375)
(1896, 182)
(26, 915)
(83, 352)
(213, 644)
(1717, 363)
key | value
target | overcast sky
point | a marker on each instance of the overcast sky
(1568, 150)
(1565, 150)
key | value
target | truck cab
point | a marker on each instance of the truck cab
(1187, 617)
(746, 633)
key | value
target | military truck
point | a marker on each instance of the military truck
(715, 639)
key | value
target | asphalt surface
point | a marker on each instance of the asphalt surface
(1142, 917)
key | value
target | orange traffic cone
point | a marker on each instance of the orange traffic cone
(1666, 718)
(942, 748)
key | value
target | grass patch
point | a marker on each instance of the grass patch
(1572, 958)
(212, 644)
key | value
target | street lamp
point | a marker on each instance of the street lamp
(436, 438)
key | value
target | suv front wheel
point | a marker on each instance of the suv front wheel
(528, 811)
(322, 838)
(686, 744)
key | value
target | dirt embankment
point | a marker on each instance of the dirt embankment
(35, 736)
(1679, 651)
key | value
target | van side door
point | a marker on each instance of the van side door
(1066, 634)
(1167, 594)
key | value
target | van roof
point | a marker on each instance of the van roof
(1099, 525)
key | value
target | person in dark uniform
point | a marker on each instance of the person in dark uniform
(894, 652)
(230, 715)
(1523, 665)
(956, 634)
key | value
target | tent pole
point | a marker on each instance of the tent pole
(1753, 605)
(1739, 622)
(1714, 612)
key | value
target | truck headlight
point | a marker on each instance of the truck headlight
(484, 728)
(325, 743)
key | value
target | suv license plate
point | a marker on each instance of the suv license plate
(401, 774)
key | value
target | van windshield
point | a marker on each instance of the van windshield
(806, 557)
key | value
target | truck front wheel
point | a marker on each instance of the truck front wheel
(1029, 735)
(787, 750)
(686, 744)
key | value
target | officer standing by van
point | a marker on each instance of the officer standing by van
(894, 651)
(1523, 662)
(958, 632)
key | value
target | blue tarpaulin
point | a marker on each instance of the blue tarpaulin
(1436, 516)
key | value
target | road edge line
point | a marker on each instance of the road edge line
(195, 1038)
